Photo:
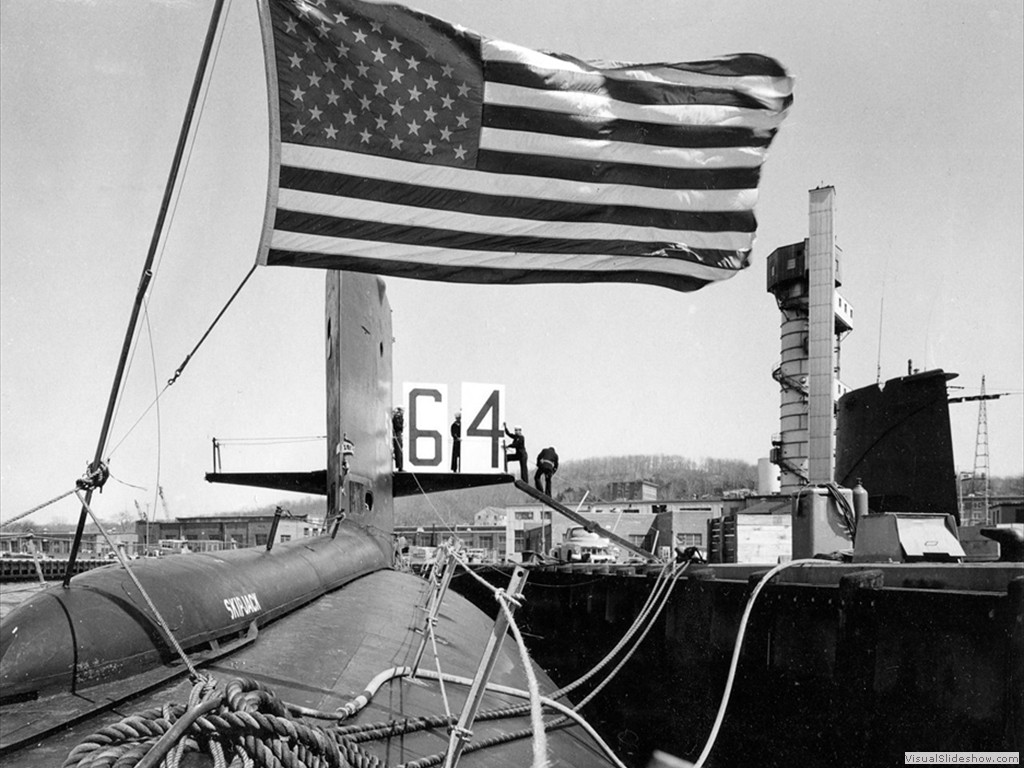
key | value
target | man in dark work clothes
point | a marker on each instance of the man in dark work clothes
(547, 465)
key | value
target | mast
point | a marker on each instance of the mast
(96, 468)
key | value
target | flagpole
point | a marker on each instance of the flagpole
(97, 470)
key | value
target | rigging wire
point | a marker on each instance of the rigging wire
(546, 701)
(36, 508)
(130, 485)
(175, 200)
(446, 526)
(181, 367)
(168, 632)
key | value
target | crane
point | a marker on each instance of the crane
(163, 501)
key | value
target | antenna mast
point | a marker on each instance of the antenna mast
(147, 273)
(977, 513)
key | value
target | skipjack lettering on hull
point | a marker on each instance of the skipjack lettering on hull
(242, 605)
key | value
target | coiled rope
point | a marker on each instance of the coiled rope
(247, 724)
(244, 720)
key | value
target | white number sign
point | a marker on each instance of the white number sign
(483, 411)
(426, 427)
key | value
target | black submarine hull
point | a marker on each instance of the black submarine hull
(101, 629)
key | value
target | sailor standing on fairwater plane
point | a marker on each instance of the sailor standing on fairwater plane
(517, 450)
(397, 425)
(456, 431)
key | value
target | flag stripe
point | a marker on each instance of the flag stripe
(629, 90)
(617, 173)
(571, 103)
(605, 151)
(337, 227)
(429, 264)
(381, 250)
(598, 128)
(749, 68)
(483, 204)
(505, 225)
(456, 179)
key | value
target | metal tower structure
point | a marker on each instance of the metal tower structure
(803, 277)
(976, 504)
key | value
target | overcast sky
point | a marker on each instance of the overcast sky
(912, 111)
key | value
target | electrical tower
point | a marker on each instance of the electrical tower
(977, 509)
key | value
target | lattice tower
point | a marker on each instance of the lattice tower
(977, 511)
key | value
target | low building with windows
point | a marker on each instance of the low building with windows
(237, 530)
(485, 543)
(648, 523)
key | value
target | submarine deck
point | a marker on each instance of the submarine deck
(325, 653)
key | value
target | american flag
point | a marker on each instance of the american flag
(408, 146)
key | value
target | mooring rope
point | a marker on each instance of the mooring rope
(36, 508)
